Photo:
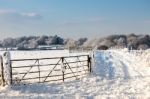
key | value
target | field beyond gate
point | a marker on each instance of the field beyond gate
(57, 69)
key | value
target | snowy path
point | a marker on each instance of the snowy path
(113, 65)
(117, 74)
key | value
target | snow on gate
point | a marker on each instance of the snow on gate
(56, 69)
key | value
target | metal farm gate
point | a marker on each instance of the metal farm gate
(57, 69)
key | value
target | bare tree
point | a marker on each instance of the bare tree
(142, 47)
(32, 44)
(70, 43)
(81, 41)
(42, 40)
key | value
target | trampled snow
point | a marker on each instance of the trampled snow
(116, 74)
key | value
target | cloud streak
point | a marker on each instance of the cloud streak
(6, 11)
(31, 15)
(13, 15)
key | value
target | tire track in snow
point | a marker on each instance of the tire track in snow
(123, 65)
(130, 62)
(111, 64)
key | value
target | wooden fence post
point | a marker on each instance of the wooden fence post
(7, 68)
(89, 64)
(62, 68)
(39, 70)
(2, 71)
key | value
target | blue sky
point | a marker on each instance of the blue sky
(74, 18)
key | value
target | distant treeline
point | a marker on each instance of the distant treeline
(32, 42)
(130, 41)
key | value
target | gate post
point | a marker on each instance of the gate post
(62, 68)
(89, 64)
(7, 68)
(1, 71)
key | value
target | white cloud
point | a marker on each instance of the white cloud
(6, 11)
(13, 15)
(31, 15)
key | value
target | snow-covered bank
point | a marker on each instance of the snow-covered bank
(117, 74)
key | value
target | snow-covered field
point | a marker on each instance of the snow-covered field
(41, 54)
(116, 74)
